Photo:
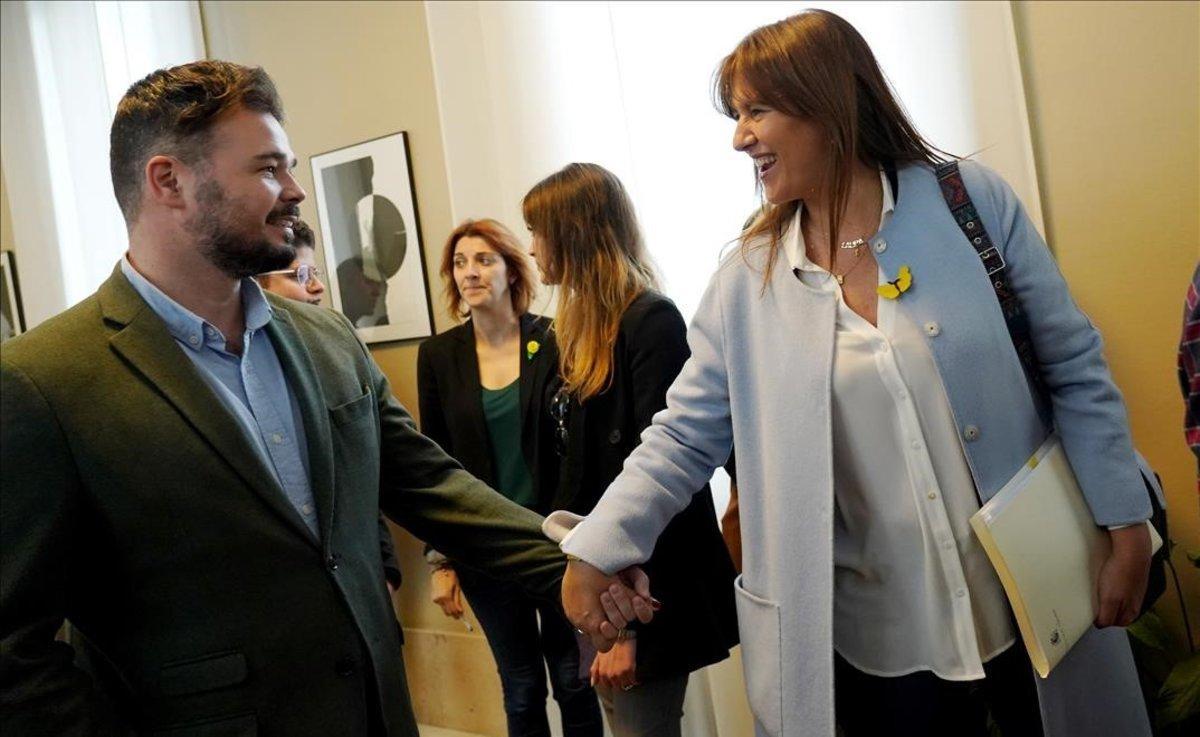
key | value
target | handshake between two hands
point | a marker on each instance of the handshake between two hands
(600, 606)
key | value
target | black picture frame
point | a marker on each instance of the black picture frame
(12, 311)
(370, 227)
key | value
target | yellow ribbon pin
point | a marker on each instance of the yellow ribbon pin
(893, 289)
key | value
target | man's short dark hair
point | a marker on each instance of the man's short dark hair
(171, 112)
(304, 236)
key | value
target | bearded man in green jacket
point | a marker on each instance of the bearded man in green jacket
(192, 471)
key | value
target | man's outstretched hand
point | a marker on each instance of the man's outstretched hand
(600, 605)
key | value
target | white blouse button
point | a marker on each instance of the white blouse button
(932, 329)
(880, 246)
(194, 339)
(932, 495)
(970, 432)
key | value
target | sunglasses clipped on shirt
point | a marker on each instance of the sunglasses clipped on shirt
(559, 406)
(302, 273)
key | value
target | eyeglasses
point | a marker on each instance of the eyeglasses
(303, 273)
(558, 411)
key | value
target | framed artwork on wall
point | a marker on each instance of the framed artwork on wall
(12, 315)
(372, 239)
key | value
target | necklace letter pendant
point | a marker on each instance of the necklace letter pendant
(856, 243)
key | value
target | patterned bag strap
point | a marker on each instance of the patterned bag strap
(959, 201)
(954, 190)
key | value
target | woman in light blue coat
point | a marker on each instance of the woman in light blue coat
(855, 352)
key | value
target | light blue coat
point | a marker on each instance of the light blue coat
(759, 377)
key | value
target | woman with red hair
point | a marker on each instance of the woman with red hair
(481, 386)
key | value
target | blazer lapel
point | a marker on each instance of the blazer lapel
(301, 375)
(532, 367)
(467, 361)
(145, 343)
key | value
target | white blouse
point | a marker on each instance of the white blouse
(913, 589)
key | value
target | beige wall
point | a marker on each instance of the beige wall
(349, 72)
(6, 233)
(1114, 101)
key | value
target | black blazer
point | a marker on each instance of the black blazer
(690, 570)
(448, 389)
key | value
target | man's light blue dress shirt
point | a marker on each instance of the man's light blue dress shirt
(251, 386)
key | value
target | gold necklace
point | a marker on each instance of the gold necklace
(841, 278)
(856, 245)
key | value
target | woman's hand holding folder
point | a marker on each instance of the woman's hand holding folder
(1122, 582)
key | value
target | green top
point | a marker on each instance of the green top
(502, 411)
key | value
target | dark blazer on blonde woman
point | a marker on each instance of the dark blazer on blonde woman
(690, 572)
(449, 397)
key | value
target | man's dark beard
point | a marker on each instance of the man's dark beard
(229, 251)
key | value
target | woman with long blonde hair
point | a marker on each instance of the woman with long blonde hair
(889, 347)
(621, 344)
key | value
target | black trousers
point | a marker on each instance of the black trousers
(923, 705)
(509, 618)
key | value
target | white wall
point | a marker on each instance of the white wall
(526, 87)
(65, 66)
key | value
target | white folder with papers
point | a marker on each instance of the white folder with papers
(1047, 550)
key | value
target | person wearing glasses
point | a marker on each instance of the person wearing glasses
(621, 344)
(481, 387)
(301, 281)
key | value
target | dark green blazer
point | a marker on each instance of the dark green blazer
(132, 504)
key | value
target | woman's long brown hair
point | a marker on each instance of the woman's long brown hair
(815, 65)
(586, 222)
